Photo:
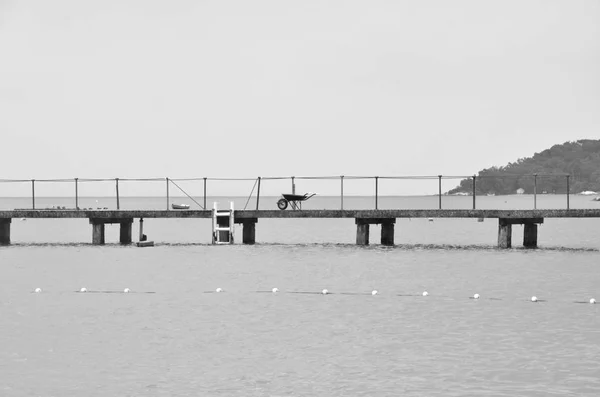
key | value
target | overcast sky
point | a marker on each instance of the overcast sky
(187, 88)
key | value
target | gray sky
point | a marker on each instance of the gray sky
(274, 88)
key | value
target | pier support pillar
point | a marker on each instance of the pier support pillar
(529, 235)
(530, 232)
(125, 231)
(362, 234)
(5, 231)
(387, 232)
(362, 231)
(249, 230)
(363, 226)
(504, 234)
(97, 233)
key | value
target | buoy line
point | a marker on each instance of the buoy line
(275, 290)
(124, 291)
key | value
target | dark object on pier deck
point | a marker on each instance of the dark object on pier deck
(294, 200)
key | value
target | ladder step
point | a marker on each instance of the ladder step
(222, 229)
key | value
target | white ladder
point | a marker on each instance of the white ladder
(222, 225)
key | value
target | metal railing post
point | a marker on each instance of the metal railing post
(76, 195)
(568, 190)
(33, 193)
(167, 180)
(204, 192)
(535, 191)
(293, 185)
(258, 193)
(117, 188)
(474, 181)
(376, 192)
(342, 192)
(440, 191)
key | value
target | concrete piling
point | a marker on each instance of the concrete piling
(362, 233)
(363, 226)
(504, 235)
(97, 233)
(125, 231)
(5, 231)
(249, 230)
(387, 232)
(99, 229)
(530, 233)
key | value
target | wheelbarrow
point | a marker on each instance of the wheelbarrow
(294, 200)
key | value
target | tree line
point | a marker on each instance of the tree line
(580, 160)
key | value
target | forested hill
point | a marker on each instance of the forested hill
(579, 159)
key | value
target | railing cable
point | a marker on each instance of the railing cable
(184, 192)
(247, 201)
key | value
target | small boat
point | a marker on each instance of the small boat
(180, 206)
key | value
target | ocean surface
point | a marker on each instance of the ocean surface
(173, 335)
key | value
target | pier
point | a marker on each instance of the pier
(249, 218)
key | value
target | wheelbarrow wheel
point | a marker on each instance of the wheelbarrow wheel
(282, 204)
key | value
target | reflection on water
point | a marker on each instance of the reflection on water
(373, 247)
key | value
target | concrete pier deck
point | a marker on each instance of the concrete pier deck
(244, 214)
(248, 218)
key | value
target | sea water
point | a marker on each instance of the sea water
(174, 335)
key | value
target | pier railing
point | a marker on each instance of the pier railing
(197, 189)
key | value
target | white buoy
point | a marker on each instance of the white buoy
(126, 290)
(324, 292)
(476, 296)
(534, 299)
(83, 289)
(219, 290)
(38, 290)
(374, 292)
(275, 290)
(425, 293)
(592, 301)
